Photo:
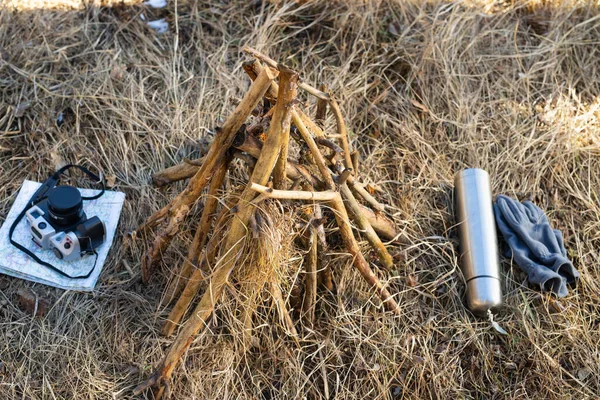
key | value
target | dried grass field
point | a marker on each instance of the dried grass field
(426, 88)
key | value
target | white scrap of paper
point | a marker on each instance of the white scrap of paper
(159, 25)
(496, 325)
(156, 3)
(15, 263)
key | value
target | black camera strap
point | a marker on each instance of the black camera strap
(40, 195)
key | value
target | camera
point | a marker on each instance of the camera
(58, 222)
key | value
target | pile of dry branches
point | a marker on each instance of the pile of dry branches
(325, 172)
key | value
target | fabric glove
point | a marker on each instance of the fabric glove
(535, 246)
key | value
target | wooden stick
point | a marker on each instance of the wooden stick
(180, 205)
(321, 114)
(279, 173)
(192, 286)
(382, 225)
(293, 194)
(159, 245)
(314, 149)
(323, 141)
(237, 231)
(195, 249)
(310, 124)
(366, 196)
(272, 63)
(341, 125)
(310, 278)
(175, 173)
(366, 229)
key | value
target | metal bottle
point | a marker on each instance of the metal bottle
(477, 239)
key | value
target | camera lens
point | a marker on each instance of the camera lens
(65, 205)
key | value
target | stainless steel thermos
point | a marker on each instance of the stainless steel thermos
(477, 240)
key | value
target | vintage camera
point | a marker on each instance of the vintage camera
(59, 223)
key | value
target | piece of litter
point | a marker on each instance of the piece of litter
(160, 25)
(583, 373)
(156, 3)
(20, 109)
(496, 325)
(60, 119)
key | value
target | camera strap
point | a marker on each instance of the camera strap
(40, 195)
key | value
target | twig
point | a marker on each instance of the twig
(314, 149)
(355, 213)
(312, 126)
(341, 125)
(328, 143)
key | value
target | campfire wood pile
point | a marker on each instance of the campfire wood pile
(327, 175)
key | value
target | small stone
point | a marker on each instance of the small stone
(32, 303)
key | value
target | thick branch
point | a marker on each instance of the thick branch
(195, 249)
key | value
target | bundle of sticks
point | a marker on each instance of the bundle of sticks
(327, 175)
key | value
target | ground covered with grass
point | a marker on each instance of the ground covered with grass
(427, 89)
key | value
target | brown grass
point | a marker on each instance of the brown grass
(427, 89)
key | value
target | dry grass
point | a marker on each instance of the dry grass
(427, 89)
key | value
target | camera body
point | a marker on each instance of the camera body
(58, 223)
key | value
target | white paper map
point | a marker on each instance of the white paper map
(18, 264)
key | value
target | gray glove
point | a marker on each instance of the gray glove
(535, 247)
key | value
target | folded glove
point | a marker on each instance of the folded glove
(535, 246)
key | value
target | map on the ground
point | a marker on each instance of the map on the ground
(15, 263)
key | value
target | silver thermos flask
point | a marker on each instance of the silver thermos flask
(477, 240)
